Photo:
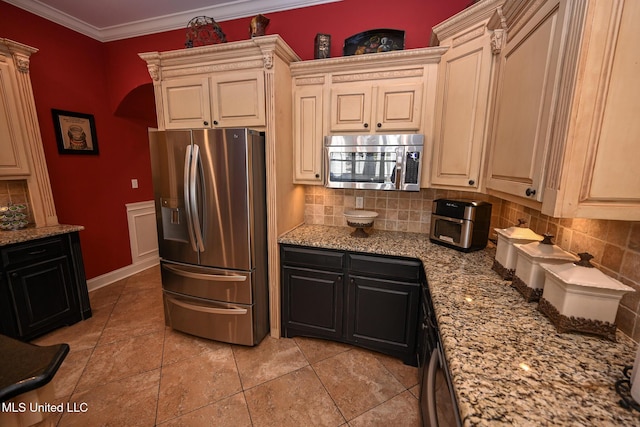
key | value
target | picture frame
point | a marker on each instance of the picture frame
(75, 132)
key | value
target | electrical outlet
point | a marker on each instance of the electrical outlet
(134, 183)
(359, 202)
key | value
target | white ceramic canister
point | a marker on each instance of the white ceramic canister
(506, 256)
(582, 291)
(529, 276)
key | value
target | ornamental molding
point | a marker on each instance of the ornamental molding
(377, 75)
(319, 80)
(210, 68)
(480, 11)
(22, 63)
(468, 36)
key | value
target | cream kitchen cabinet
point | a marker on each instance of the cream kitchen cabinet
(308, 131)
(224, 99)
(565, 135)
(13, 155)
(463, 97)
(366, 106)
(384, 92)
(527, 84)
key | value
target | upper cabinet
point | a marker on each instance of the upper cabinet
(463, 97)
(527, 84)
(224, 99)
(564, 137)
(364, 107)
(391, 92)
(13, 154)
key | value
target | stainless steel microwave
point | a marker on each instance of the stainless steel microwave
(375, 162)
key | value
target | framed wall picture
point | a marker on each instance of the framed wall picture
(75, 132)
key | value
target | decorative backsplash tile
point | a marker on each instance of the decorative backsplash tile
(615, 245)
(397, 210)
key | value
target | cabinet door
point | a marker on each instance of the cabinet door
(463, 92)
(527, 78)
(13, 155)
(312, 302)
(186, 103)
(238, 99)
(399, 107)
(44, 297)
(383, 315)
(351, 107)
(307, 135)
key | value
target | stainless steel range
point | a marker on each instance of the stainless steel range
(209, 187)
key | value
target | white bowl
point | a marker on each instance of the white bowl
(360, 218)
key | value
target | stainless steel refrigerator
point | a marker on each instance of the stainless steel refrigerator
(209, 187)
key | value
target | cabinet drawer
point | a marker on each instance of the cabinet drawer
(310, 257)
(395, 268)
(33, 251)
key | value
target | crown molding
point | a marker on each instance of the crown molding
(224, 12)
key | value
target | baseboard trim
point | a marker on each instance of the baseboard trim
(121, 273)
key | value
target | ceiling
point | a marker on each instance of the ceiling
(107, 20)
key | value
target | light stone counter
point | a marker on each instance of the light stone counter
(489, 332)
(33, 233)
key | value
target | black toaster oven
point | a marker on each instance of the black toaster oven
(460, 224)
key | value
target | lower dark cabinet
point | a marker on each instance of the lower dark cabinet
(367, 300)
(314, 302)
(383, 314)
(42, 286)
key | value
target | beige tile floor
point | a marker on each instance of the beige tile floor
(128, 369)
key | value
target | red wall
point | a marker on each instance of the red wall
(74, 72)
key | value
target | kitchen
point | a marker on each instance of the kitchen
(613, 242)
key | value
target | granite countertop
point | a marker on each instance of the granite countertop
(33, 233)
(508, 364)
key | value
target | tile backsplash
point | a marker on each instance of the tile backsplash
(615, 245)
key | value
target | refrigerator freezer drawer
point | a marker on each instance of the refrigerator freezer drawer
(231, 323)
(208, 283)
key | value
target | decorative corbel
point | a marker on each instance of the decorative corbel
(22, 62)
(267, 58)
(497, 41)
(154, 72)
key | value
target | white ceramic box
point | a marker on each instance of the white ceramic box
(578, 297)
(506, 256)
(529, 276)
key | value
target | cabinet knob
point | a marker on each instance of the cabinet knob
(366, 125)
(206, 123)
(14, 274)
(530, 192)
(215, 122)
(317, 175)
(379, 125)
(471, 182)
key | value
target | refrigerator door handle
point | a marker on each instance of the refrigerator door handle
(211, 310)
(187, 199)
(201, 276)
(193, 180)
